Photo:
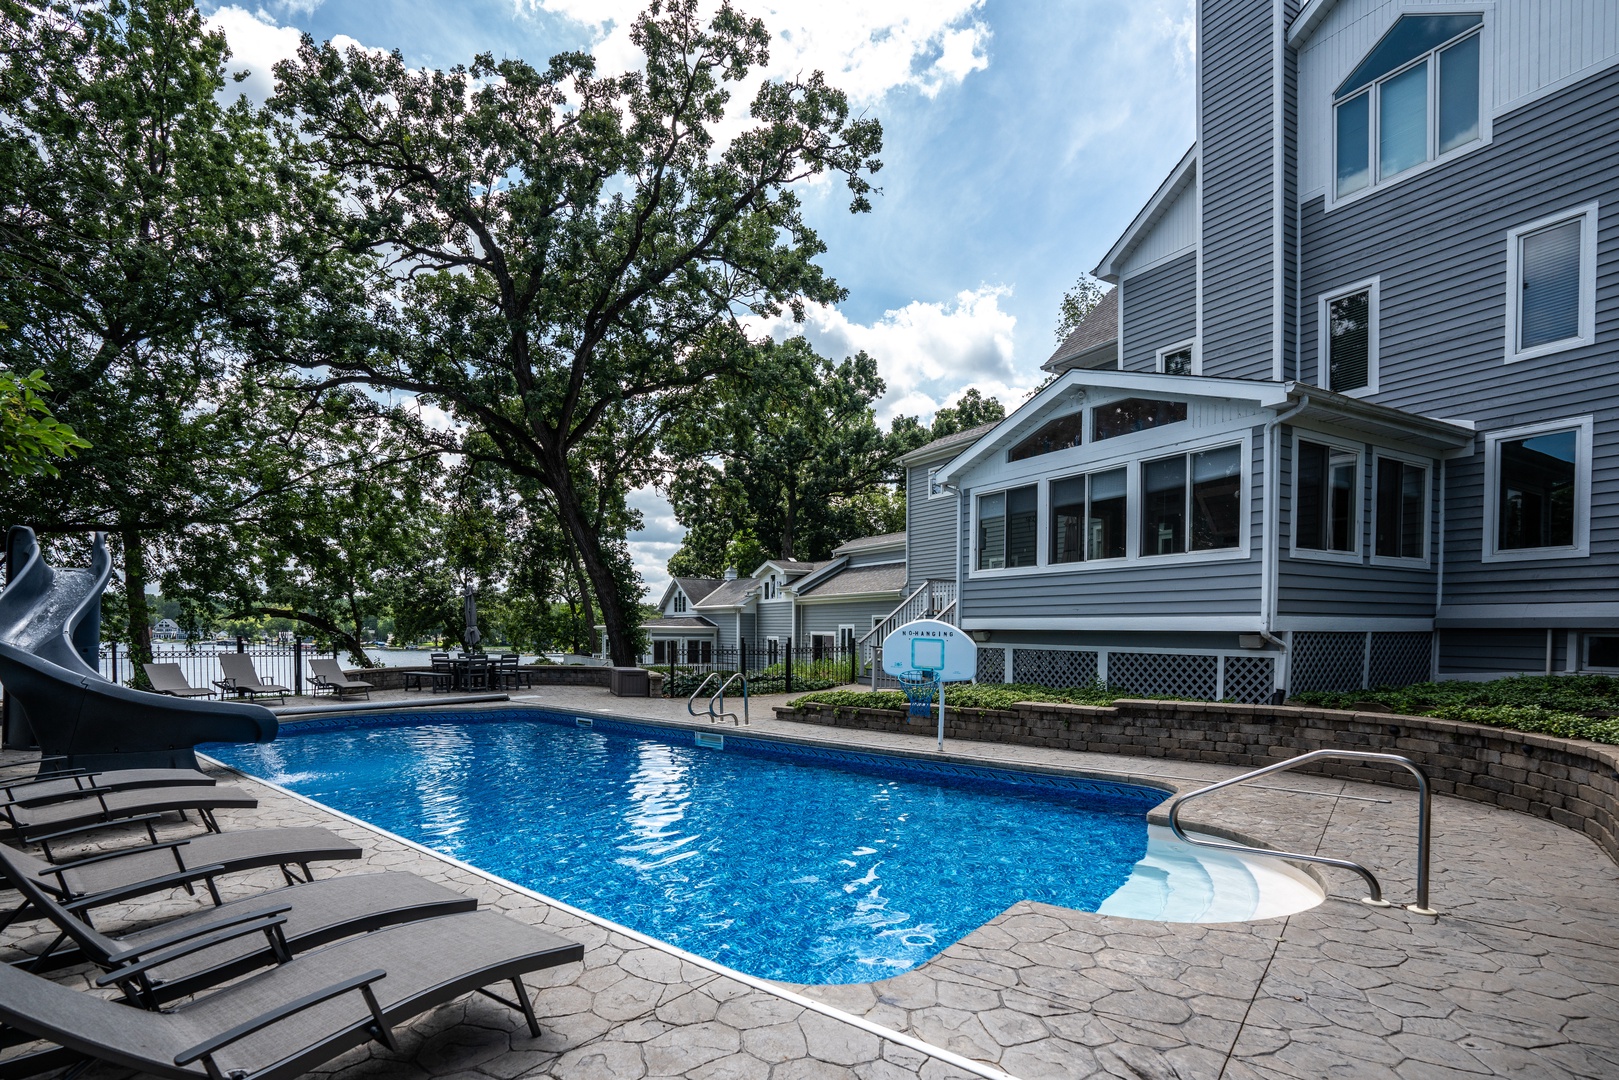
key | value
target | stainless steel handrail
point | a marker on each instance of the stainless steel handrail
(710, 677)
(1424, 816)
(716, 717)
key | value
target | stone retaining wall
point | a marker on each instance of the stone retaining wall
(1572, 782)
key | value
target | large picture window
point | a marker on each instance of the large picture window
(1538, 483)
(1192, 502)
(1008, 528)
(1400, 515)
(1326, 498)
(1088, 517)
(1058, 434)
(1414, 98)
(1551, 284)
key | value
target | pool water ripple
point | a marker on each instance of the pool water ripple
(786, 869)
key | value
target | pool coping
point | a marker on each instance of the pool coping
(977, 1068)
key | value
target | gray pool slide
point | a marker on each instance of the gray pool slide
(50, 632)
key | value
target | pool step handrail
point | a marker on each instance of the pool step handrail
(1424, 817)
(716, 715)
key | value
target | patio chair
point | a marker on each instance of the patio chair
(169, 679)
(441, 674)
(32, 818)
(112, 877)
(507, 672)
(278, 1024)
(70, 783)
(246, 934)
(328, 676)
(242, 680)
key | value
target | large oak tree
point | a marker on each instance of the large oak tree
(569, 257)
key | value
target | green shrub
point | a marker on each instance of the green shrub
(968, 696)
(1570, 706)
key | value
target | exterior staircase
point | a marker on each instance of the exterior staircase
(935, 598)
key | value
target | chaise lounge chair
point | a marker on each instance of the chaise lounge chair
(111, 877)
(71, 783)
(280, 1023)
(33, 818)
(245, 934)
(328, 676)
(242, 679)
(169, 679)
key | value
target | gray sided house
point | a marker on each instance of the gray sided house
(1350, 416)
(819, 608)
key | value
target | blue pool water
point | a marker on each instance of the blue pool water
(790, 864)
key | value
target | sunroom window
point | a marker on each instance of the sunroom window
(1053, 435)
(1192, 502)
(1327, 498)
(1414, 97)
(1088, 517)
(1008, 529)
(1134, 414)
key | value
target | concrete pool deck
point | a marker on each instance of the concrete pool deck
(1518, 976)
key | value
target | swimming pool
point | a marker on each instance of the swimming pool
(786, 862)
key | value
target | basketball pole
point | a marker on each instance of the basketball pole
(941, 716)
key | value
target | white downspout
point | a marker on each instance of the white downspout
(1269, 569)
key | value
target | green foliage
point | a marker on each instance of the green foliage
(969, 696)
(971, 410)
(563, 256)
(1077, 303)
(680, 682)
(30, 436)
(1571, 706)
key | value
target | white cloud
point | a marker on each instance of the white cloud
(929, 353)
(256, 43)
(658, 538)
(866, 49)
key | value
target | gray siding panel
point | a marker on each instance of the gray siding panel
(1160, 309)
(1438, 243)
(1237, 182)
(775, 619)
(1488, 652)
(826, 618)
(930, 528)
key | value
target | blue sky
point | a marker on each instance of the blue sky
(1020, 139)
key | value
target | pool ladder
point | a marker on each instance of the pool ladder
(715, 715)
(1375, 899)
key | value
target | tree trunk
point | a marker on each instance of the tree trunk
(789, 525)
(140, 622)
(582, 583)
(350, 641)
(615, 616)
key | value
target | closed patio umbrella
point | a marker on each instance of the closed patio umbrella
(470, 605)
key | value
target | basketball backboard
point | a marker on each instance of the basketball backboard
(931, 645)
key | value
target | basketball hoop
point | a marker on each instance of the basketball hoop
(920, 687)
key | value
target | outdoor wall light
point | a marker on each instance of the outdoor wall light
(979, 636)
(1251, 641)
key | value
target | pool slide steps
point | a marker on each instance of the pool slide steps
(50, 628)
(1175, 882)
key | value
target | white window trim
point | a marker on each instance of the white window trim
(1181, 346)
(1585, 652)
(1378, 454)
(841, 628)
(1207, 441)
(1323, 345)
(1046, 517)
(1357, 530)
(1581, 548)
(1587, 216)
(1486, 78)
(678, 603)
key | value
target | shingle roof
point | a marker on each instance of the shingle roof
(728, 595)
(963, 438)
(863, 543)
(859, 580)
(1099, 326)
(698, 587)
(798, 566)
(679, 622)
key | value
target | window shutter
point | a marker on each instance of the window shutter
(1551, 285)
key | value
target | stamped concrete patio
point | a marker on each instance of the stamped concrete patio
(1518, 976)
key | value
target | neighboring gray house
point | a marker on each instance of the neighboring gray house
(821, 607)
(1361, 419)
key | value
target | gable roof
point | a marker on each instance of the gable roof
(1180, 177)
(698, 587)
(1307, 20)
(947, 442)
(857, 581)
(1097, 330)
(730, 594)
(870, 543)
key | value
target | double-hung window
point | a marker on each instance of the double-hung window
(1414, 98)
(1348, 338)
(1326, 500)
(1551, 284)
(1538, 491)
(1192, 502)
(1400, 510)
(680, 603)
(1088, 517)
(1008, 528)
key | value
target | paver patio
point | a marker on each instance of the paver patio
(1518, 976)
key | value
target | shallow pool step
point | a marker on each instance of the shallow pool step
(1176, 882)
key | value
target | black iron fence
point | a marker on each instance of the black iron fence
(771, 667)
(284, 665)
